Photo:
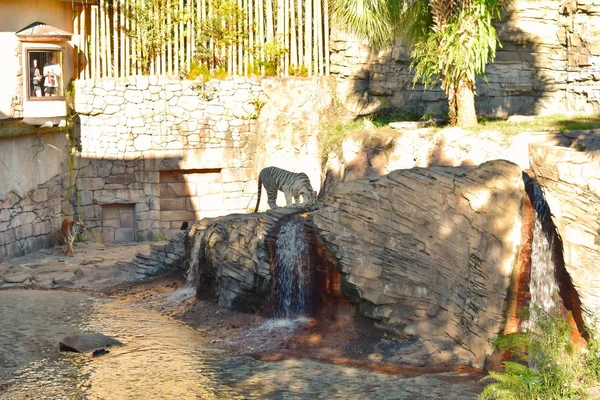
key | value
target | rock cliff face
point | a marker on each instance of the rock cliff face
(429, 252)
(570, 178)
(426, 253)
(548, 62)
(233, 259)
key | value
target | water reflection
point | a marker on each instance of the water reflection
(165, 359)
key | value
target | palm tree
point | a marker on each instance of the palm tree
(451, 40)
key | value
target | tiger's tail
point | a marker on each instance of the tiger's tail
(259, 193)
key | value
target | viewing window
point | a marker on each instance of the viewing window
(45, 71)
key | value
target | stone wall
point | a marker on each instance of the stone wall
(197, 146)
(137, 133)
(32, 178)
(549, 62)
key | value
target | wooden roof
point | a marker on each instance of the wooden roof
(40, 32)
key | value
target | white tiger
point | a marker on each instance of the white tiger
(292, 184)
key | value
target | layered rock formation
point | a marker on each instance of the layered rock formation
(429, 252)
(426, 253)
(548, 62)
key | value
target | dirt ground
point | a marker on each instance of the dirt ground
(346, 341)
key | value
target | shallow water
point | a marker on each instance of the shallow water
(165, 359)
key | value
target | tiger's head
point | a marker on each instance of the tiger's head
(78, 226)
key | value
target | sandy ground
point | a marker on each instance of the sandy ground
(108, 270)
(345, 341)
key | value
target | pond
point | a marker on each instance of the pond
(165, 359)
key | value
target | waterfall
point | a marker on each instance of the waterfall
(292, 275)
(194, 269)
(543, 285)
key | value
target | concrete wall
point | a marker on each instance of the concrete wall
(549, 62)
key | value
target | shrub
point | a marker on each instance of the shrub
(546, 364)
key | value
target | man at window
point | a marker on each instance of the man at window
(52, 74)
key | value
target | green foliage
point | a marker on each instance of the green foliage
(222, 28)
(298, 70)
(467, 43)
(198, 71)
(258, 104)
(160, 238)
(592, 350)
(547, 123)
(335, 131)
(220, 73)
(148, 26)
(546, 363)
(268, 57)
(453, 40)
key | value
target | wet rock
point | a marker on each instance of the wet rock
(92, 261)
(17, 277)
(86, 343)
(100, 352)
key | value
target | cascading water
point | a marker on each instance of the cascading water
(292, 274)
(191, 279)
(543, 285)
(194, 268)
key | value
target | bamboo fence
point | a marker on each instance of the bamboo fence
(117, 38)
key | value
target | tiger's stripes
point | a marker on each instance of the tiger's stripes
(70, 228)
(292, 184)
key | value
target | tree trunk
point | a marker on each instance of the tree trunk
(465, 104)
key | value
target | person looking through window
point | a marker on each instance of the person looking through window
(52, 73)
(36, 80)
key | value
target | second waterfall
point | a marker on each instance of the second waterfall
(293, 281)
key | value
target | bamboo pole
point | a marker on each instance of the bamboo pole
(286, 36)
(326, 29)
(269, 11)
(87, 27)
(107, 45)
(309, 38)
(102, 39)
(125, 40)
(261, 35)
(115, 38)
(134, 41)
(189, 41)
(249, 40)
(121, 37)
(211, 42)
(319, 38)
(300, 34)
(241, 28)
(77, 42)
(93, 49)
(293, 38)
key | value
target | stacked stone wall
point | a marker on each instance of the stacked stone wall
(27, 223)
(134, 129)
(549, 62)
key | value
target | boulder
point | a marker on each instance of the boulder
(87, 343)
(428, 253)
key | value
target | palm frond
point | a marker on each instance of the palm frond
(369, 19)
